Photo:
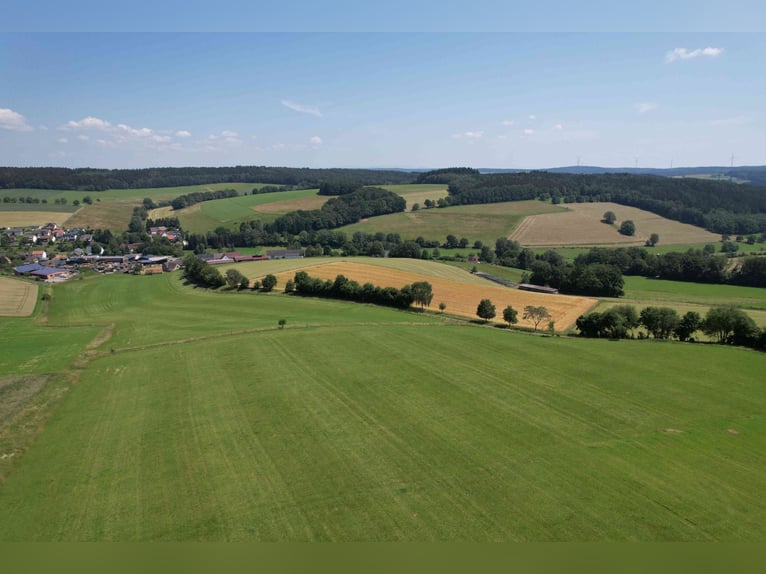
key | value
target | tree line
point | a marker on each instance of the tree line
(89, 179)
(350, 290)
(728, 325)
(199, 196)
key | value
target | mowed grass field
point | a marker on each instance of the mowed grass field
(33, 217)
(385, 431)
(581, 225)
(17, 298)
(483, 222)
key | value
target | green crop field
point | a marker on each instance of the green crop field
(483, 222)
(200, 420)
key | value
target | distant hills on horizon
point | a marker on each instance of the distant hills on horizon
(755, 174)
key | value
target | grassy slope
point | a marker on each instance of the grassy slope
(264, 436)
(484, 222)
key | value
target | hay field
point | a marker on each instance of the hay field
(17, 298)
(305, 203)
(461, 298)
(581, 225)
(418, 192)
(24, 218)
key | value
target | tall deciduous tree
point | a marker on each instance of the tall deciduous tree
(485, 310)
(510, 315)
(536, 314)
(269, 282)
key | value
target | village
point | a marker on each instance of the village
(34, 248)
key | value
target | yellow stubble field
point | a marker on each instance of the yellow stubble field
(461, 298)
(17, 298)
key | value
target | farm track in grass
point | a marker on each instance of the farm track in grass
(17, 298)
(400, 433)
(581, 225)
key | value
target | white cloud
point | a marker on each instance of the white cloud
(312, 110)
(43, 128)
(558, 127)
(229, 134)
(502, 137)
(684, 54)
(10, 120)
(528, 132)
(161, 139)
(316, 140)
(278, 147)
(83, 137)
(532, 117)
(183, 134)
(468, 135)
(142, 132)
(507, 122)
(643, 107)
(62, 140)
(212, 137)
(89, 123)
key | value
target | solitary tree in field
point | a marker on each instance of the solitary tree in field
(627, 227)
(442, 306)
(485, 310)
(282, 323)
(536, 314)
(510, 315)
(422, 293)
(269, 282)
(653, 240)
(609, 217)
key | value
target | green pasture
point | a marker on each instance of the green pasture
(484, 222)
(699, 293)
(157, 309)
(347, 432)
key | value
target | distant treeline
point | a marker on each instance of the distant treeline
(199, 196)
(88, 179)
(721, 207)
(446, 175)
(349, 290)
(339, 211)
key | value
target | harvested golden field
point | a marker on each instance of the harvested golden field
(25, 218)
(305, 203)
(114, 215)
(17, 298)
(461, 297)
(581, 225)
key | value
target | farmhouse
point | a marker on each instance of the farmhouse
(27, 269)
(284, 254)
(50, 273)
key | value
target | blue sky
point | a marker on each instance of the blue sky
(529, 100)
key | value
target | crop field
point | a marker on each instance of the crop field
(483, 222)
(418, 192)
(461, 297)
(581, 225)
(29, 218)
(17, 298)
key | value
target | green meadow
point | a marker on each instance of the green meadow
(199, 419)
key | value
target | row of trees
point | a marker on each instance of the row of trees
(419, 293)
(536, 314)
(726, 324)
(199, 196)
(699, 266)
(89, 179)
(339, 211)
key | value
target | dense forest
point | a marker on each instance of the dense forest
(87, 179)
(721, 207)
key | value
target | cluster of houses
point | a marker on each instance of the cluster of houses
(48, 233)
(61, 267)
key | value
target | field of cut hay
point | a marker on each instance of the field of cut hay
(280, 207)
(461, 298)
(581, 225)
(17, 298)
(24, 218)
